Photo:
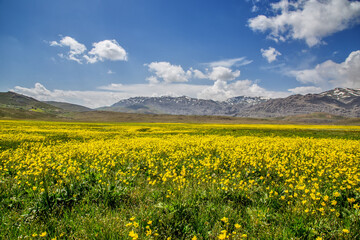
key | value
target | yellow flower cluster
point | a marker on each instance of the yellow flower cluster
(305, 175)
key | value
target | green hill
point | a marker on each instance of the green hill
(21, 102)
(69, 106)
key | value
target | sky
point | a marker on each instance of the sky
(97, 52)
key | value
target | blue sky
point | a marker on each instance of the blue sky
(95, 53)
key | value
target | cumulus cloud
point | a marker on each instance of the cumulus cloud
(270, 54)
(101, 51)
(76, 48)
(217, 70)
(152, 80)
(199, 74)
(216, 73)
(306, 90)
(330, 74)
(223, 74)
(242, 61)
(168, 73)
(106, 50)
(309, 20)
(222, 90)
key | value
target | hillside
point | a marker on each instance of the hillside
(69, 106)
(18, 101)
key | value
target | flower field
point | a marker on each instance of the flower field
(178, 181)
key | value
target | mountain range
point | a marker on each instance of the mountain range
(343, 102)
(339, 101)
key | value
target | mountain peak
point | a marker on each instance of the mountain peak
(342, 94)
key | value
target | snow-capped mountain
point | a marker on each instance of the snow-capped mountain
(345, 95)
(183, 105)
(339, 101)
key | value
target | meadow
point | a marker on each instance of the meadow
(178, 181)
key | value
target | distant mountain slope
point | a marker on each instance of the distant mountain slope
(69, 106)
(18, 101)
(17, 113)
(183, 105)
(339, 101)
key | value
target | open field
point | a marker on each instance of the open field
(107, 116)
(181, 181)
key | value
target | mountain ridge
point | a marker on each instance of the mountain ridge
(338, 101)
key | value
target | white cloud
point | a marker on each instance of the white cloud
(103, 50)
(222, 90)
(110, 94)
(270, 54)
(223, 74)
(152, 80)
(110, 72)
(254, 8)
(169, 73)
(305, 90)
(106, 50)
(90, 99)
(199, 74)
(309, 20)
(330, 74)
(155, 90)
(76, 48)
(216, 73)
(242, 61)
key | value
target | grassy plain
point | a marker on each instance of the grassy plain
(180, 181)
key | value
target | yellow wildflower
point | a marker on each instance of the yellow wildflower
(133, 235)
(224, 219)
(336, 194)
